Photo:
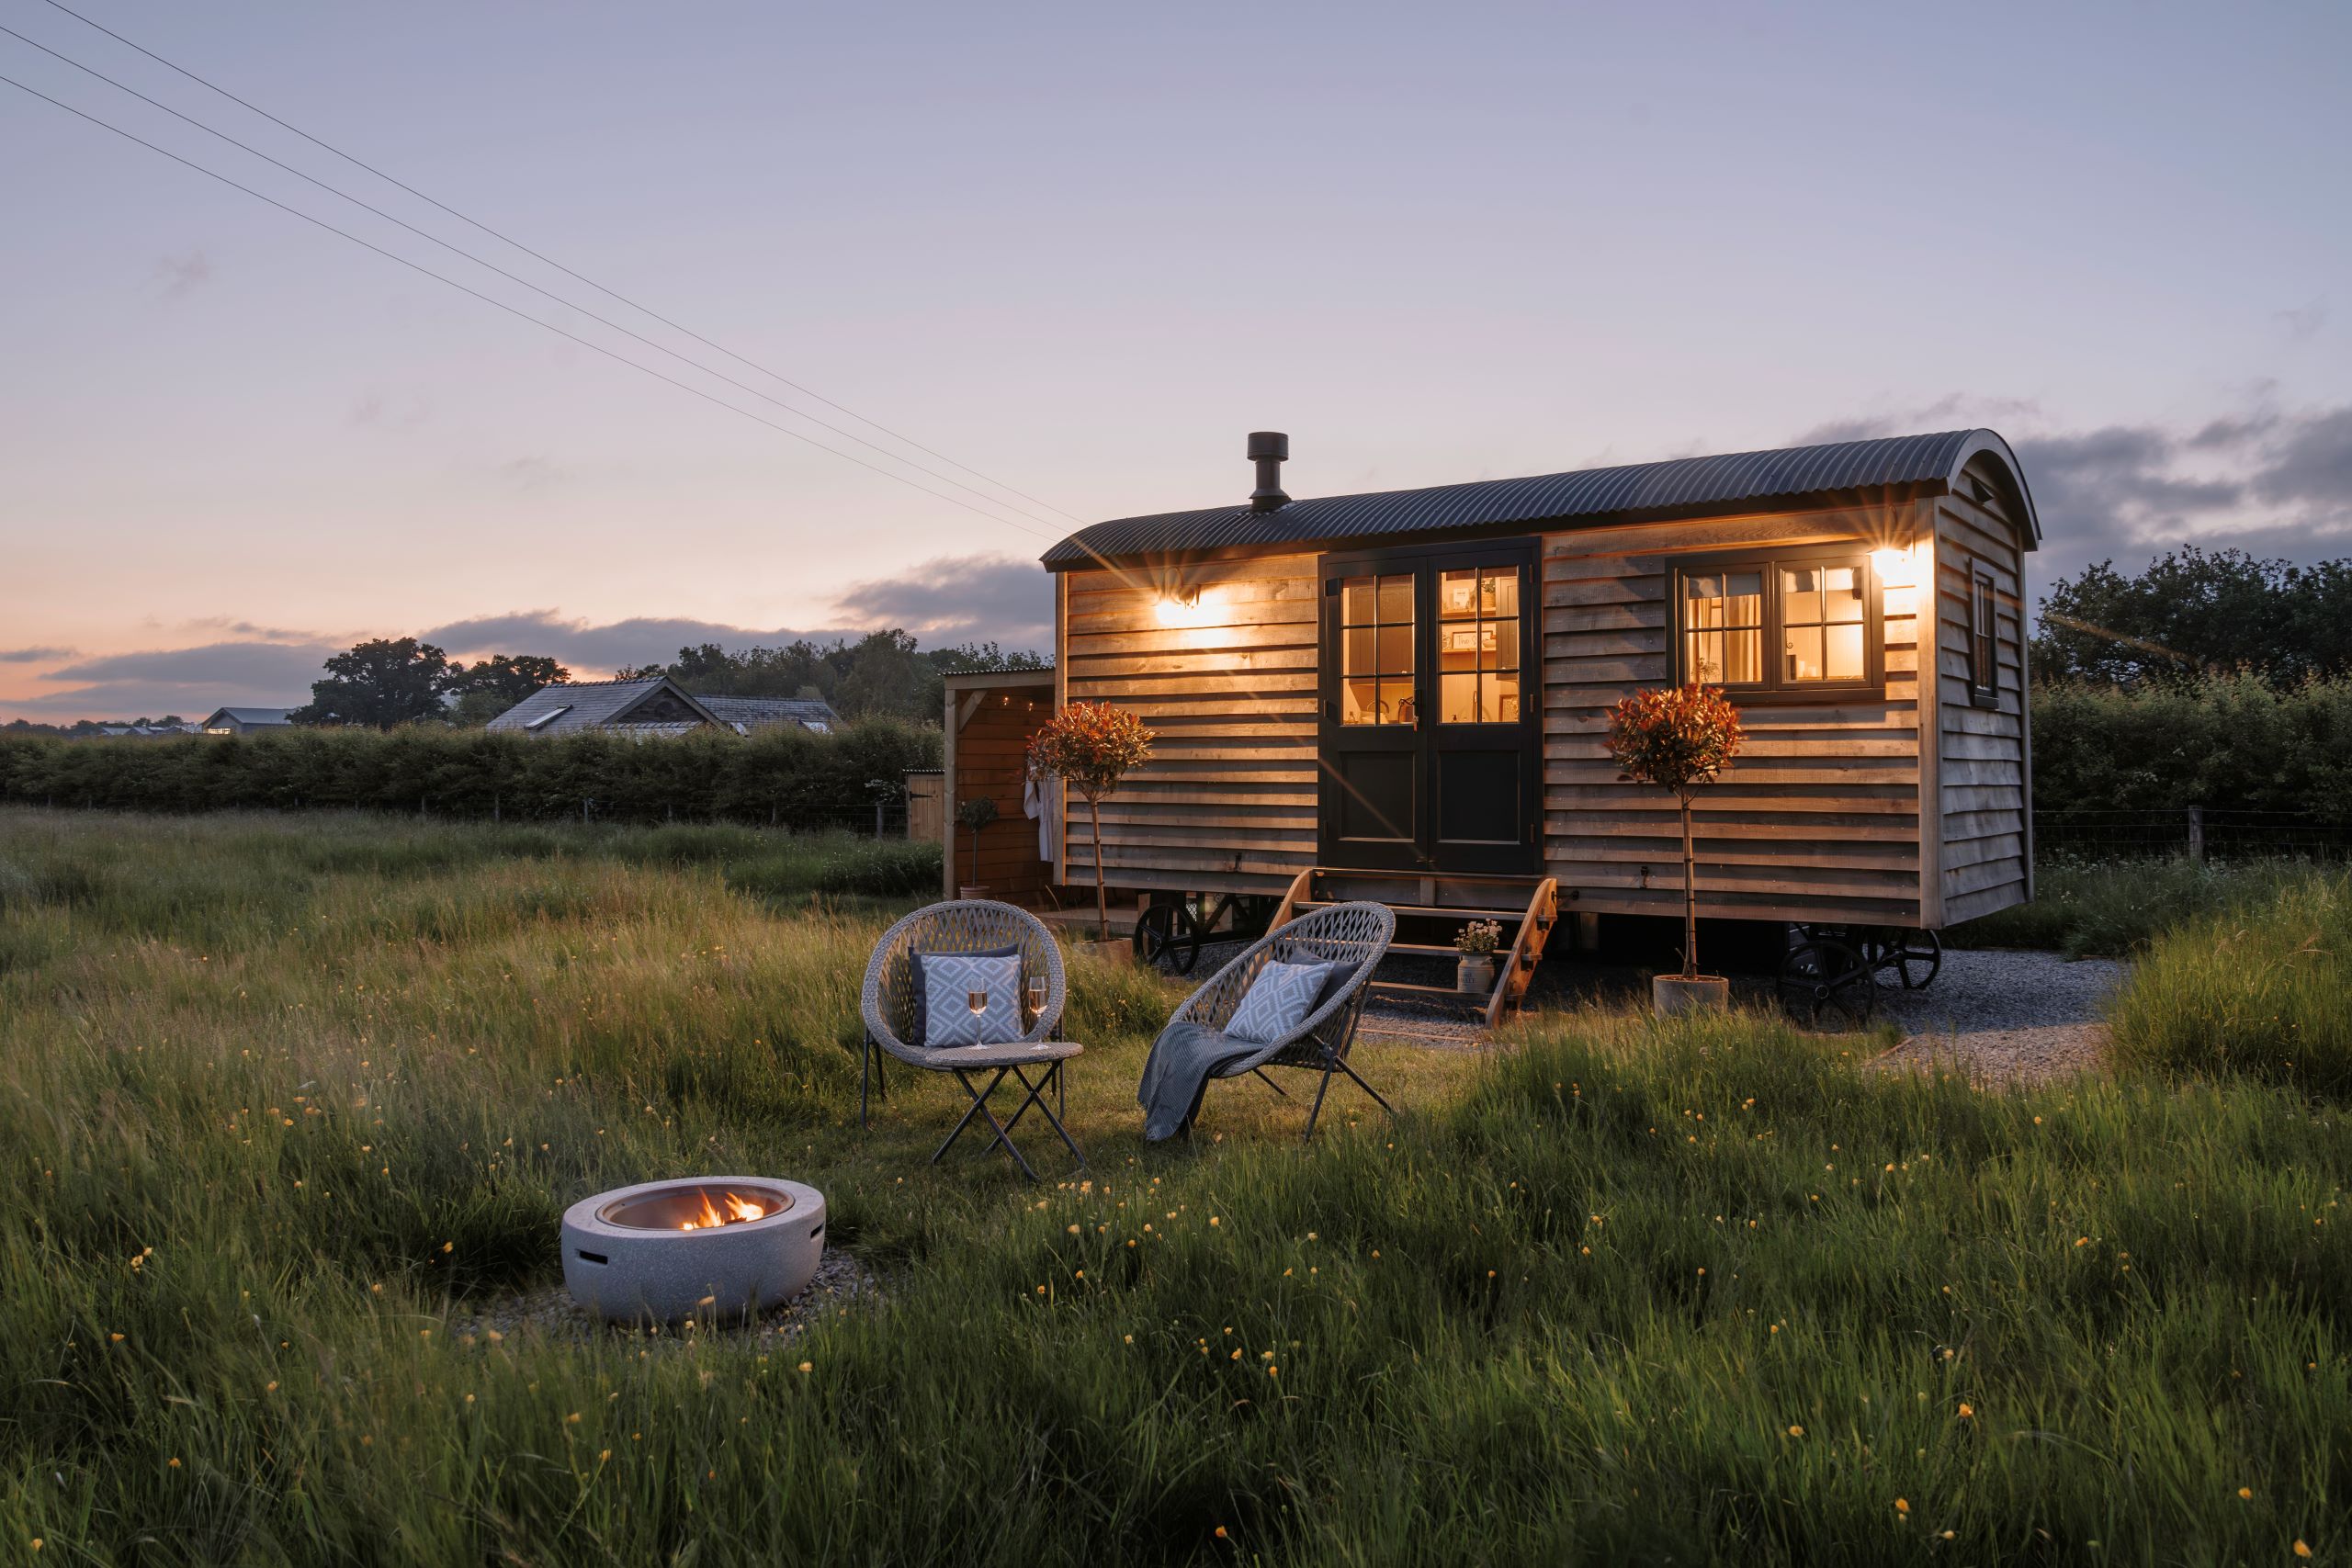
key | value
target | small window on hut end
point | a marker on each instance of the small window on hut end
(1984, 644)
(1787, 627)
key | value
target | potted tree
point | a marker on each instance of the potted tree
(1090, 747)
(1678, 738)
(975, 815)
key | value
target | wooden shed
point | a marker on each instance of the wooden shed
(990, 716)
(1409, 688)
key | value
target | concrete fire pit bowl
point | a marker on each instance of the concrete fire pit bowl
(717, 1246)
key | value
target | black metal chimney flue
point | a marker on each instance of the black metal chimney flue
(1268, 449)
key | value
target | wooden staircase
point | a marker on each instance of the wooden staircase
(1431, 908)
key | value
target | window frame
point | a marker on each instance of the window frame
(1774, 688)
(1985, 660)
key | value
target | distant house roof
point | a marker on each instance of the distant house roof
(250, 716)
(1679, 487)
(758, 713)
(657, 706)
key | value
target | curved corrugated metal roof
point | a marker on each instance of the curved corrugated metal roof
(1678, 486)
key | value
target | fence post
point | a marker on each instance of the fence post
(2197, 833)
(878, 819)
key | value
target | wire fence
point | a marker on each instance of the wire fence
(2194, 832)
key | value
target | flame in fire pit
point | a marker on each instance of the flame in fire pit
(730, 1208)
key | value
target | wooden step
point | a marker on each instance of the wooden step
(1422, 911)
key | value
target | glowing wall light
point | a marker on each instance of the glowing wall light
(1894, 567)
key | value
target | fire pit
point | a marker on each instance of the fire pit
(723, 1245)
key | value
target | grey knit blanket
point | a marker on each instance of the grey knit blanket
(1182, 1060)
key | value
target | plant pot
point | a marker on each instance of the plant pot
(1118, 951)
(1671, 994)
(1475, 974)
(973, 890)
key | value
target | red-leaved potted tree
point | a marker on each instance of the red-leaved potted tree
(1090, 747)
(1679, 738)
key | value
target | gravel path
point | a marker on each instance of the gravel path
(2005, 1017)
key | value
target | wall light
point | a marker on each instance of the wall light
(1893, 567)
(1179, 607)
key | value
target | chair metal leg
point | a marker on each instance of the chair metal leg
(979, 1097)
(865, 1067)
(1369, 1090)
(1320, 1090)
(1270, 1083)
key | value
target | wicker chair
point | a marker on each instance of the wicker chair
(1344, 933)
(888, 1002)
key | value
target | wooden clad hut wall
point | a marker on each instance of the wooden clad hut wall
(987, 756)
(1227, 800)
(1984, 747)
(1819, 819)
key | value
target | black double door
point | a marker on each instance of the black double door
(1431, 704)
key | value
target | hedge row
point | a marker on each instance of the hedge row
(2228, 742)
(784, 777)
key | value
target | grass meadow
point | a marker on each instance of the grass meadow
(282, 1098)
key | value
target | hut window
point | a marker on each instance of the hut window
(1722, 627)
(1376, 650)
(1478, 645)
(1983, 673)
(1778, 626)
(1821, 624)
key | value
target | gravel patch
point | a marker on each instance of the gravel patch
(548, 1313)
(2005, 1017)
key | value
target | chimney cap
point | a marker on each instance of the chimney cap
(1272, 444)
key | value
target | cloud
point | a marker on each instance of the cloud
(589, 648)
(33, 655)
(182, 275)
(527, 473)
(955, 599)
(286, 666)
(190, 681)
(2263, 479)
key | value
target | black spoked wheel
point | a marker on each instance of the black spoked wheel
(1168, 936)
(1911, 956)
(1828, 984)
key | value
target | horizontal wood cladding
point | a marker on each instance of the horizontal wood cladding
(1819, 817)
(1985, 842)
(1228, 798)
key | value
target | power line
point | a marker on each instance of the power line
(524, 315)
(550, 261)
(512, 277)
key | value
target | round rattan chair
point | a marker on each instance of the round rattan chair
(888, 1002)
(1343, 933)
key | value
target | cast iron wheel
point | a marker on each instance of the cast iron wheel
(1168, 934)
(1825, 984)
(1914, 956)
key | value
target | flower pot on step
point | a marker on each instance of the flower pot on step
(1671, 994)
(1474, 974)
(973, 890)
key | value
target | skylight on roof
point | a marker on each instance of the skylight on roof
(548, 718)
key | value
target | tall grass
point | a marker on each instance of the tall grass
(2262, 987)
(2113, 909)
(1627, 1292)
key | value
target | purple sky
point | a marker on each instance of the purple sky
(1085, 249)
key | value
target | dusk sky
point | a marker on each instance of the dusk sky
(1085, 249)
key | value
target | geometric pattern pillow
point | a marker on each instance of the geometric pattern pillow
(1280, 996)
(915, 985)
(951, 979)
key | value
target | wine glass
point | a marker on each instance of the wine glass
(977, 999)
(1036, 996)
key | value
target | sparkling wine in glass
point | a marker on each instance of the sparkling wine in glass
(977, 999)
(1036, 995)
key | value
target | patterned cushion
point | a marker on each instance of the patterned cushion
(949, 978)
(921, 1002)
(1277, 999)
